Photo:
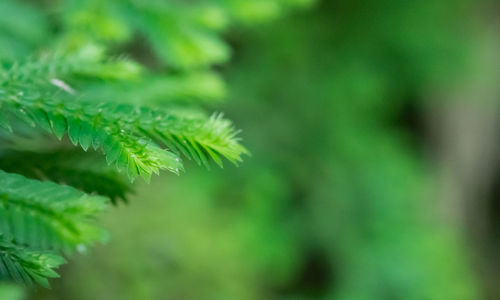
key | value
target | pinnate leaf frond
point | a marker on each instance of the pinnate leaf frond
(84, 171)
(45, 215)
(22, 265)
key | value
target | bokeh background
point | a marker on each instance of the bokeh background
(374, 171)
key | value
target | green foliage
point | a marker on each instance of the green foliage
(36, 216)
(45, 215)
(21, 265)
(193, 87)
(357, 72)
(184, 35)
(85, 172)
(338, 201)
(61, 92)
(124, 133)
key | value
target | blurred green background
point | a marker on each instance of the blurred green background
(373, 175)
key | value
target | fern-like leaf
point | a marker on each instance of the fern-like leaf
(44, 215)
(85, 172)
(90, 61)
(199, 139)
(129, 135)
(22, 265)
(98, 127)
